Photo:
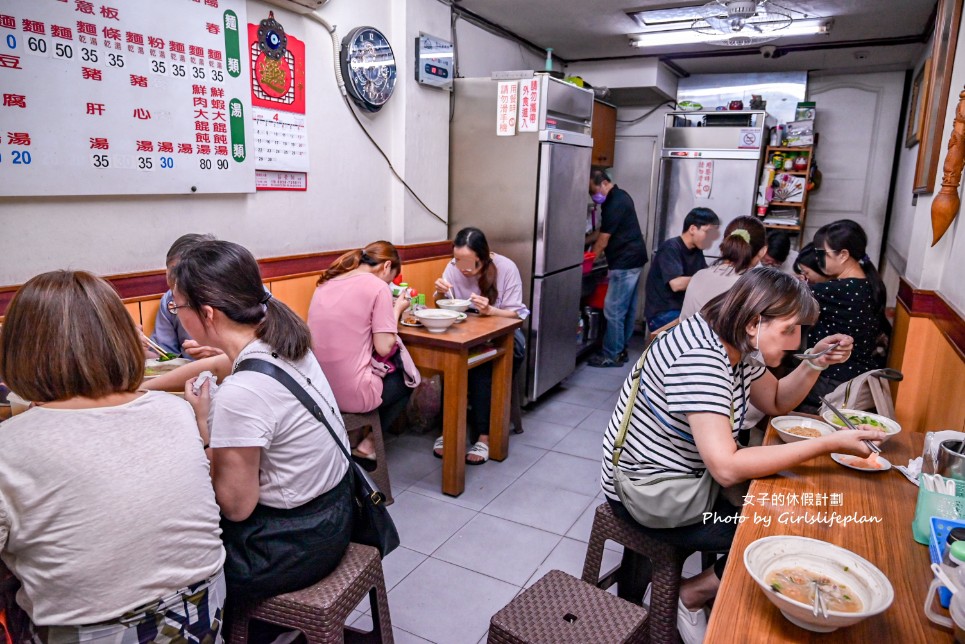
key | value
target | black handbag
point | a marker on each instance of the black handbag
(372, 525)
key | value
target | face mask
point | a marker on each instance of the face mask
(598, 197)
(756, 357)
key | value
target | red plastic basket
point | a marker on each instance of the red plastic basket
(598, 296)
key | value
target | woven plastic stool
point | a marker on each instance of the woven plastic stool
(381, 473)
(666, 565)
(320, 611)
(560, 609)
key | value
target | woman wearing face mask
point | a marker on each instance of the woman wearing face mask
(695, 386)
(744, 244)
(493, 285)
(852, 302)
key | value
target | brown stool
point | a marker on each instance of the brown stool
(320, 611)
(560, 609)
(381, 473)
(666, 565)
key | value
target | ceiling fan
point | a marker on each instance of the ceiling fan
(729, 23)
(739, 23)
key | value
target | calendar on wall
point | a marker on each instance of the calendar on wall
(280, 149)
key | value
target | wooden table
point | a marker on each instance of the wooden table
(448, 353)
(741, 606)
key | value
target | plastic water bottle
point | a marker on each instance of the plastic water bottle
(579, 332)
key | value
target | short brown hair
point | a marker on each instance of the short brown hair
(763, 292)
(67, 334)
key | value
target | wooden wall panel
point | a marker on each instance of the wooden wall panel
(899, 340)
(422, 275)
(149, 310)
(296, 293)
(134, 308)
(932, 395)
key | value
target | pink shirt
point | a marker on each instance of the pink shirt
(343, 315)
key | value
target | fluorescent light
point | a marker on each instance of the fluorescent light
(689, 36)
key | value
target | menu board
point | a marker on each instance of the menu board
(124, 97)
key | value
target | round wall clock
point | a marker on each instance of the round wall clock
(368, 66)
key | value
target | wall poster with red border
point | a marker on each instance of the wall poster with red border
(278, 106)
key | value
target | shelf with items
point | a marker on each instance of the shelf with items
(782, 213)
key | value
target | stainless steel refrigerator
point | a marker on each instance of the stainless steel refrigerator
(709, 159)
(528, 193)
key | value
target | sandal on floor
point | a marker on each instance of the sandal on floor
(437, 446)
(480, 449)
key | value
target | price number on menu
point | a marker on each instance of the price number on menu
(18, 157)
(100, 161)
(38, 46)
(220, 164)
(145, 163)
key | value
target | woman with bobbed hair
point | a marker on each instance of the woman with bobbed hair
(695, 383)
(279, 477)
(806, 266)
(852, 302)
(351, 317)
(743, 246)
(107, 515)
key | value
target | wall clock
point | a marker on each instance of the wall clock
(368, 67)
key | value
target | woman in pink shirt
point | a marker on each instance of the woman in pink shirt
(352, 315)
(493, 285)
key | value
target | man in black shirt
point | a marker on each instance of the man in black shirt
(674, 263)
(626, 253)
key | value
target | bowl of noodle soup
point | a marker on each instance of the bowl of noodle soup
(799, 428)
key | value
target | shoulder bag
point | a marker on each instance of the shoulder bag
(372, 525)
(665, 500)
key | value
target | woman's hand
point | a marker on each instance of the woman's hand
(401, 304)
(442, 286)
(200, 402)
(196, 351)
(839, 354)
(481, 304)
(849, 441)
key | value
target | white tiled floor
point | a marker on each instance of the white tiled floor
(462, 559)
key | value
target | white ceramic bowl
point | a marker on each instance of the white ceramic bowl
(781, 423)
(861, 576)
(154, 368)
(454, 305)
(17, 404)
(436, 320)
(888, 426)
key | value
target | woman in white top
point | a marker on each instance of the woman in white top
(695, 385)
(107, 516)
(743, 247)
(279, 476)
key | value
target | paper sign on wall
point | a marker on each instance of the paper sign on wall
(506, 107)
(529, 105)
(705, 179)
(278, 102)
(123, 97)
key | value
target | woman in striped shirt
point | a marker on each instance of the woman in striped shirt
(696, 384)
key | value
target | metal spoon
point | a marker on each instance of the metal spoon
(812, 356)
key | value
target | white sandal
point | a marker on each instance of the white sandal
(480, 449)
(437, 446)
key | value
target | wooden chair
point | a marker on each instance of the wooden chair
(381, 473)
(656, 563)
(320, 611)
(668, 325)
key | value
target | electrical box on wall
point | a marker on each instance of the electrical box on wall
(435, 62)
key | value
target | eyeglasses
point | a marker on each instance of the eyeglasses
(174, 308)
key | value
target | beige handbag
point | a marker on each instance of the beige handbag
(665, 500)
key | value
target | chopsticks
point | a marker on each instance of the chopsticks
(874, 448)
(450, 294)
(157, 348)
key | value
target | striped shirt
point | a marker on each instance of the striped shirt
(686, 371)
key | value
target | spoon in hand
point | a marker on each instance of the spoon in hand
(812, 356)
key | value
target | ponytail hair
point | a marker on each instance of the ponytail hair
(372, 255)
(225, 276)
(848, 235)
(744, 238)
(475, 240)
